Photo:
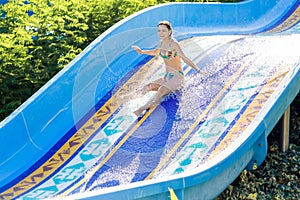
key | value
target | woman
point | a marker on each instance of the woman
(171, 52)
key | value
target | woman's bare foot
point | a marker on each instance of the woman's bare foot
(138, 112)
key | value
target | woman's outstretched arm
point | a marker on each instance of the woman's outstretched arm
(184, 57)
(152, 52)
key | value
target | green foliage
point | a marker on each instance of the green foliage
(109, 12)
(34, 48)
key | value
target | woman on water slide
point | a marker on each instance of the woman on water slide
(171, 52)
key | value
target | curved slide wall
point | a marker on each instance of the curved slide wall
(48, 130)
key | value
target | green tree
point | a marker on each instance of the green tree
(104, 14)
(36, 46)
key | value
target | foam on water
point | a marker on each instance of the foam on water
(264, 58)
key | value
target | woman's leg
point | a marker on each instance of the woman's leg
(147, 88)
(153, 86)
(161, 92)
(169, 86)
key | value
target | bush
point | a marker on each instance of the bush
(36, 46)
(38, 38)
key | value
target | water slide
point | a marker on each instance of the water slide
(76, 139)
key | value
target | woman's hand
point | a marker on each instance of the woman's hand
(138, 49)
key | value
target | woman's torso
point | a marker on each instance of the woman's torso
(170, 56)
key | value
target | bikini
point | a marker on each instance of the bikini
(170, 75)
(169, 56)
(170, 53)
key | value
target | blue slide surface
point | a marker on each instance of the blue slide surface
(76, 139)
